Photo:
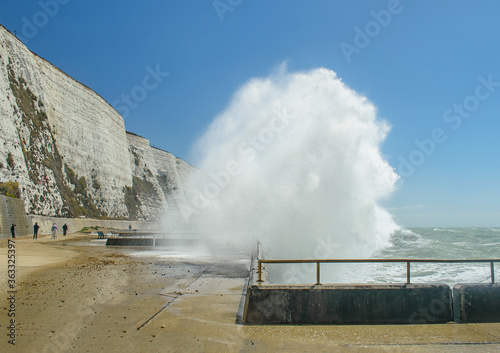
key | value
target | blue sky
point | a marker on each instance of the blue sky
(431, 68)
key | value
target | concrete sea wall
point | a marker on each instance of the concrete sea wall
(476, 303)
(366, 304)
(12, 211)
(348, 304)
(371, 304)
(76, 224)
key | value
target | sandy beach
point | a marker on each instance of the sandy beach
(76, 295)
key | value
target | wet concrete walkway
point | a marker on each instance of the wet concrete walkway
(204, 317)
(104, 299)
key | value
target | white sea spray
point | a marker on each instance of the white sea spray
(294, 162)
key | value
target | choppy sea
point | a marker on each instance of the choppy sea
(419, 243)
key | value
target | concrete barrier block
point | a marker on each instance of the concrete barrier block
(348, 304)
(130, 241)
(476, 303)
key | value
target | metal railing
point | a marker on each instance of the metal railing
(407, 261)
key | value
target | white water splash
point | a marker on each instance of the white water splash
(294, 162)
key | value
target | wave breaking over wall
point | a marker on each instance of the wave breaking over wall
(294, 161)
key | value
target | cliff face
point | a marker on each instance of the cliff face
(157, 182)
(67, 147)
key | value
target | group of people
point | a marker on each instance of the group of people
(36, 227)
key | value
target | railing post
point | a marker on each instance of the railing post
(492, 266)
(407, 272)
(317, 273)
(259, 270)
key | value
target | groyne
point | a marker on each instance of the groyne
(159, 242)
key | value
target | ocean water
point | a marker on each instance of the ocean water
(413, 243)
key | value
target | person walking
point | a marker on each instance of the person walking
(54, 231)
(65, 229)
(13, 230)
(35, 230)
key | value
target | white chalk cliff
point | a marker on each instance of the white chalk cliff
(68, 150)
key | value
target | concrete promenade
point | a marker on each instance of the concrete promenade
(121, 302)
